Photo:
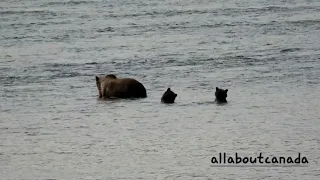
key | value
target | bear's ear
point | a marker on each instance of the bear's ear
(168, 89)
(217, 89)
(226, 90)
(97, 78)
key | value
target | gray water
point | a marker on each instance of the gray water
(53, 126)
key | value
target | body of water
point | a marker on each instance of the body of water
(53, 126)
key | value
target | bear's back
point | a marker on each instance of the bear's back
(126, 88)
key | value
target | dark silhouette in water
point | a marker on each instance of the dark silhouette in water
(109, 86)
(168, 97)
(221, 95)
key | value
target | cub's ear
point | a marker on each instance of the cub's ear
(217, 88)
(226, 90)
(97, 78)
(168, 89)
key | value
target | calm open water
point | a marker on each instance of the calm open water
(53, 126)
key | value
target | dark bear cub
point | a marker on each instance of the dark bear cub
(221, 95)
(169, 96)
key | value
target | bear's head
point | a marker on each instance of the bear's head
(168, 96)
(221, 94)
(98, 83)
(100, 79)
(111, 76)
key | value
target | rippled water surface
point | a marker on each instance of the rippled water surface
(53, 126)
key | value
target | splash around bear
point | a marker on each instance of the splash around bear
(168, 97)
(109, 86)
(221, 95)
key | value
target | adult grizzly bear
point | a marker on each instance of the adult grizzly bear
(109, 86)
(221, 95)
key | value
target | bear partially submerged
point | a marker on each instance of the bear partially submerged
(168, 96)
(221, 95)
(109, 86)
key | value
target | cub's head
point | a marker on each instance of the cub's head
(221, 94)
(168, 96)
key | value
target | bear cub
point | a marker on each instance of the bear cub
(221, 95)
(168, 97)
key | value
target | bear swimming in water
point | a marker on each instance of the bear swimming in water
(168, 96)
(221, 95)
(109, 86)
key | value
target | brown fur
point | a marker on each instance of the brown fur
(109, 86)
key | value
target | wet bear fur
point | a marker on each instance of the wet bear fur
(109, 86)
(168, 97)
(221, 95)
